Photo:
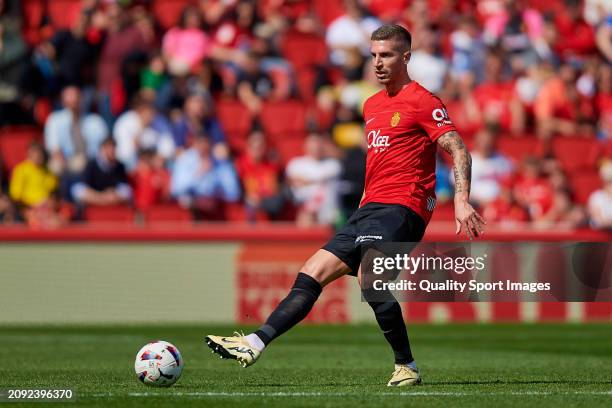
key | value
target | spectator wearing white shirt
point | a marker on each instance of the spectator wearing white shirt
(71, 137)
(142, 129)
(600, 201)
(489, 168)
(426, 65)
(350, 31)
(313, 180)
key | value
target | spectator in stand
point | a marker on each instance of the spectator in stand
(444, 188)
(154, 77)
(575, 37)
(519, 31)
(603, 99)
(185, 46)
(596, 11)
(563, 212)
(214, 10)
(427, 66)
(468, 49)
(31, 183)
(556, 106)
(604, 38)
(122, 38)
(197, 119)
(505, 209)
(254, 85)
(72, 136)
(489, 167)
(496, 99)
(313, 180)
(104, 181)
(142, 128)
(350, 31)
(13, 53)
(235, 30)
(600, 201)
(203, 177)
(532, 189)
(75, 51)
(151, 180)
(260, 177)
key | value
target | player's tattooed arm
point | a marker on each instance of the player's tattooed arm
(466, 217)
(462, 161)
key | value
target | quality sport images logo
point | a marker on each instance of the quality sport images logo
(440, 115)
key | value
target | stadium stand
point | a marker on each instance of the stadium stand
(310, 92)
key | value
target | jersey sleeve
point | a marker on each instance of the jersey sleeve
(433, 117)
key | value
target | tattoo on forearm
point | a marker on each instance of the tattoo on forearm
(462, 161)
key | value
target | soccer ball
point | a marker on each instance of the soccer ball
(158, 364)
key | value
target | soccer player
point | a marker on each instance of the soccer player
(404, 123)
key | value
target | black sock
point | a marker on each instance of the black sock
(391, 322)
(292, 309)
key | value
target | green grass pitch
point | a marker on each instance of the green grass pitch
(323, 366)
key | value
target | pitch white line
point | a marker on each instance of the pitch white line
(344, 394)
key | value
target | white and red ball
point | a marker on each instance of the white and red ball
(158, 364)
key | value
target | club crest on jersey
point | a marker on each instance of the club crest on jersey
(395, 119)
(377, 141)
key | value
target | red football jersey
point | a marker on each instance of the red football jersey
(401, 162)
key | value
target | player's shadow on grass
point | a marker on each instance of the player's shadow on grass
(510, 382)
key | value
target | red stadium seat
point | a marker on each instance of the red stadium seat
(235, 212)
(64, 13)
(293, 9)
(234, 116)
(547, 5)
(121, 213)
(237, 141)
(328, 10)
(305, 78)
(284, 118)
(282, 83)
(168, 12)
(14, 142)
(602, 150)
(33, 12)
(518, 147)
(289, 147)
(574, 153)
(387, 9)
(166, 212)
(584, 183)
(303, 50)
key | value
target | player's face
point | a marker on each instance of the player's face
(389, 59)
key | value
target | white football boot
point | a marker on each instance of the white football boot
(235, 347)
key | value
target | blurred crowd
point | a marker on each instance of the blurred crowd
(130, 102)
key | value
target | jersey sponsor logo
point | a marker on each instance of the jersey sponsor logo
(431, 203)
(440, 115)
(377, 141)
(395, 119)
(368, 238)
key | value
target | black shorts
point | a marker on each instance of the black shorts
(371, 224)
